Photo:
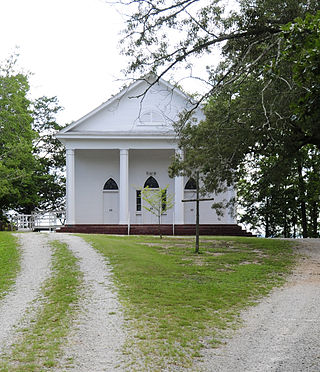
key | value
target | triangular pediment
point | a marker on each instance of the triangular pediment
(145, 106)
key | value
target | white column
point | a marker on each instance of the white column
(124, 186)
(178, 196)
(70, 190)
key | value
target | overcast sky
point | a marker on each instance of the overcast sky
(72, 49)
(70, 46)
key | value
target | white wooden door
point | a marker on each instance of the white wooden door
(111, 207)
(190, 207)
(148, 217)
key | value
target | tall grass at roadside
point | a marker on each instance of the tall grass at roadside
(40, 345)
(177, 300)
(9, 261)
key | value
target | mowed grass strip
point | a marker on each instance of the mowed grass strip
(40, 345)
(9, 261)
(178, 300)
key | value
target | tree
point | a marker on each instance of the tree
(251, 93)
(163, 35)
(16, 136)
(272, 207)
(258, 103)
(31, 161)
(50, 154)
(158, 202)
(185, 164)
(289, 110)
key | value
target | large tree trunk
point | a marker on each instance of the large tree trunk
(285, 226)
(294, 222)
(267, 221)
(314, 220)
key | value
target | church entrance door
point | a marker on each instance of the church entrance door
(111, 207)
(148, 217)
(189, 208)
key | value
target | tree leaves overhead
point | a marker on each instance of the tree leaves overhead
(163, 34)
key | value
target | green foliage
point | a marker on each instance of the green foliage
(31, 160)
(284, 174)
(9, 261)
(175, 298)
(16, 136)
(278, 205)
(165, 35)
(302, 52)
(50, 154)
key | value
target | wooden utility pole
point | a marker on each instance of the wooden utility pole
(197, 200)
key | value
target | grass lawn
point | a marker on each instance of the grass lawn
(177, 300)
(40, 345)
(9, 261)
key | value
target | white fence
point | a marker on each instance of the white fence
(36, 221)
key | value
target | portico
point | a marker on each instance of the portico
(127, 182)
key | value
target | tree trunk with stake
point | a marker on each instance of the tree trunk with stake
(197, 213)
(197, 200)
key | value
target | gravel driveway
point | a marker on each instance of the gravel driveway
(95, 341)
(98, 334)
(282, 333)
(35, 269)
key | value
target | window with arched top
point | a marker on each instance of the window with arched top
(191, 184)
(152, 183)
(110, 185)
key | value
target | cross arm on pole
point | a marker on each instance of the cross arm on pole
(194, 200)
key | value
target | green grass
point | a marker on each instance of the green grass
(40, 345)
(178, 300)
(9, 261)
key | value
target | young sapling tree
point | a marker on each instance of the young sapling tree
(158, 202)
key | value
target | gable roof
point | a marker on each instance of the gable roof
(150, 80)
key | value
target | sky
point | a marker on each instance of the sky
(70, 47)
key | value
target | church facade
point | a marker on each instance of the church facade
(126, 144)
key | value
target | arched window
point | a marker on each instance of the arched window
(110, 185)
(191, 184)
(152, 183)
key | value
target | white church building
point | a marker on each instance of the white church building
(119, 148)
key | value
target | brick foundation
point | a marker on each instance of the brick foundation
(213, 229)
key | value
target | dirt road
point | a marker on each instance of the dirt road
(282, 333)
